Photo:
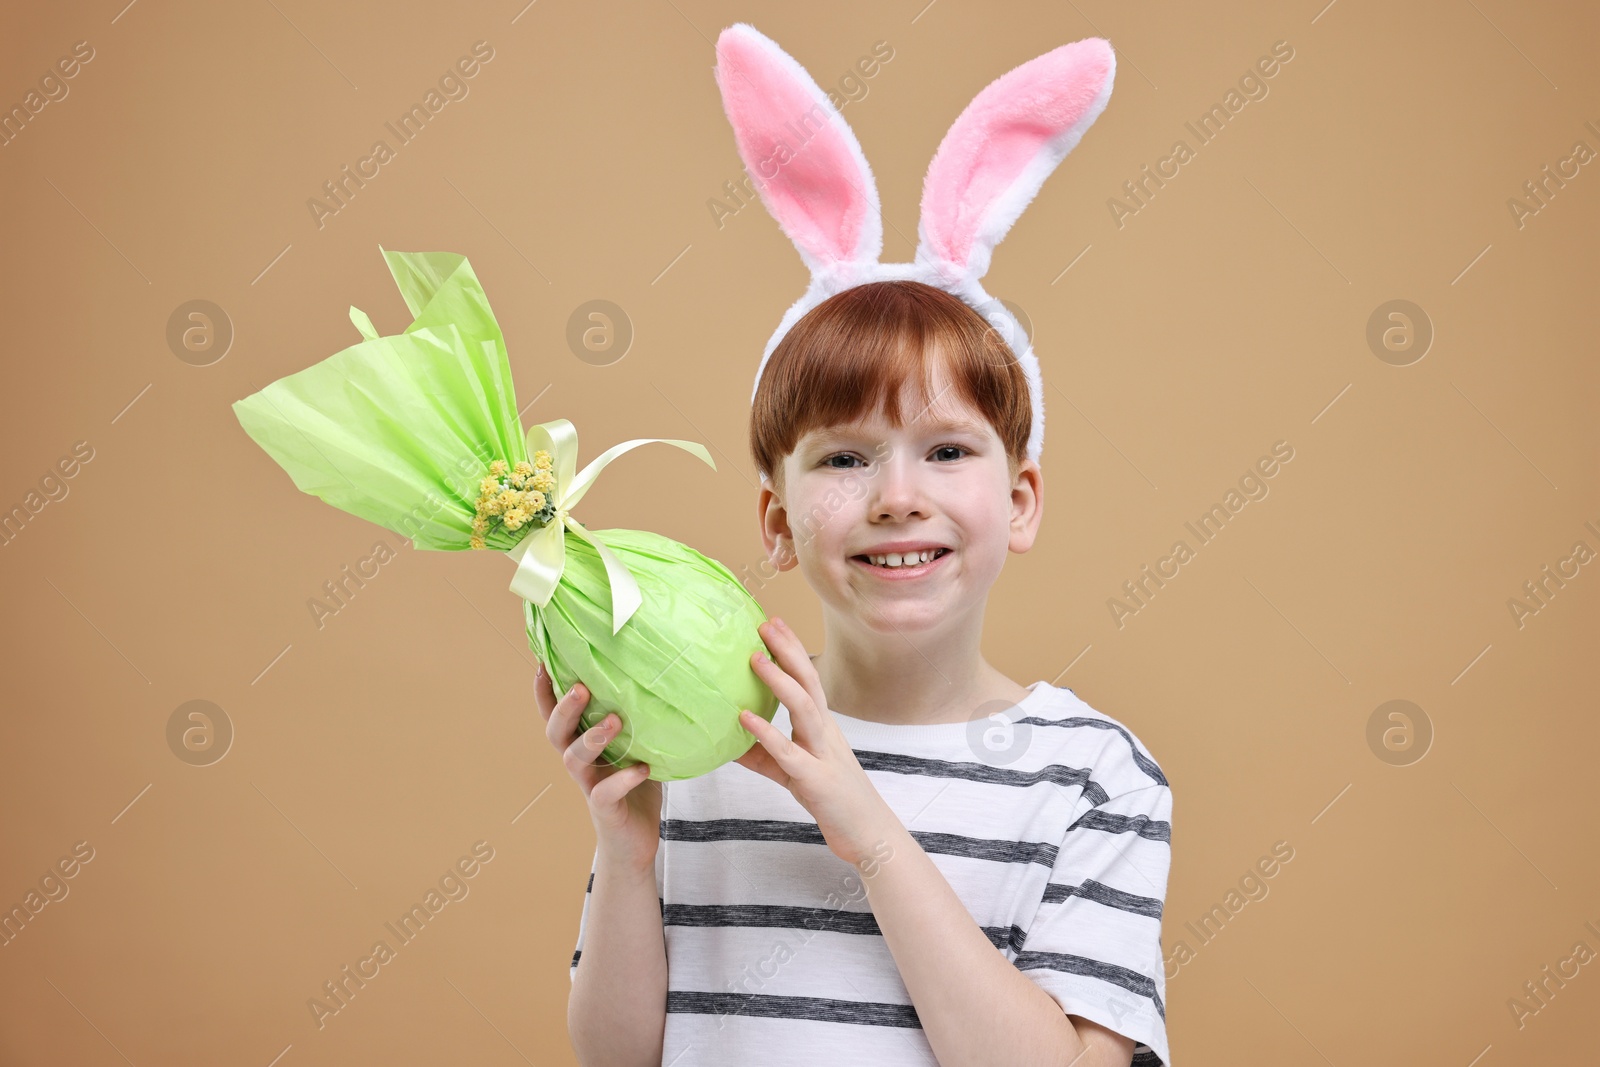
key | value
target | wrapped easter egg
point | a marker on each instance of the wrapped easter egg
(419, 432)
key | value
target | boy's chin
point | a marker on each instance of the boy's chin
(899, 615)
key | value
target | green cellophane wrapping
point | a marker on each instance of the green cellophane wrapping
(399, 430)
(685, 653)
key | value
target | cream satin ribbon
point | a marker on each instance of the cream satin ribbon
(542, 554)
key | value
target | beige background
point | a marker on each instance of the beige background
(1228, 314)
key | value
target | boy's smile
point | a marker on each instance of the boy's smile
(900, 561)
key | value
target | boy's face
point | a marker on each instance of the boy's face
(849, 491)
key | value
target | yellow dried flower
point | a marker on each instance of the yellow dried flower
(511, 494)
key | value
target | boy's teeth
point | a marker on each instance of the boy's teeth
(903, 559)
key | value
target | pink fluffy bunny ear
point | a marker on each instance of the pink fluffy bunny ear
(1000, 150)
(812, 175)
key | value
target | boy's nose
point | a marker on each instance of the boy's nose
(899, 493)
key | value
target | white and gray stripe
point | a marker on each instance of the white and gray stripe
(1061, 855)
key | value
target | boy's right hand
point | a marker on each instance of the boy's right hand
(627, 818)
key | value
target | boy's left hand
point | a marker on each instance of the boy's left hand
(817, 764)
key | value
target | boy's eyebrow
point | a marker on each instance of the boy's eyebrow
(948, 425)
(960, 425)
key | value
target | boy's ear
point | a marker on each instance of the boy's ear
(1027, 505)
(776, 536)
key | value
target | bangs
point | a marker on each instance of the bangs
(852, 354)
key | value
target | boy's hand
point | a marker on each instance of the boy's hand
(817, 765)
(624, 804)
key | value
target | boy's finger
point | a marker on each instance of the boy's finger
(619, 783)
(785, 688)
(562, 725)
(803, 668)
(585, 749)
(543, 692)
(790, 654)
(779, 749)
(757, 760)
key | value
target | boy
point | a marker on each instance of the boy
(953, 868)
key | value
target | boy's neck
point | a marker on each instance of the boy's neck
(911, 679)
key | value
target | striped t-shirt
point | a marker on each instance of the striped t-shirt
(1050, 821)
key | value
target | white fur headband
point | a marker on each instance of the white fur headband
(988, 168)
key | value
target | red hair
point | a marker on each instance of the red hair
(850, 354)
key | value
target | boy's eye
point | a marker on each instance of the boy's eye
(942, 452)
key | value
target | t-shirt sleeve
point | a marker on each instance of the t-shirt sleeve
(588, 895)
(1095, 942)
(583, 921)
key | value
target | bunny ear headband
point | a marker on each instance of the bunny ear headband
(815, 181)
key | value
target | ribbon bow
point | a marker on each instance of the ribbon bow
(542, 554)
